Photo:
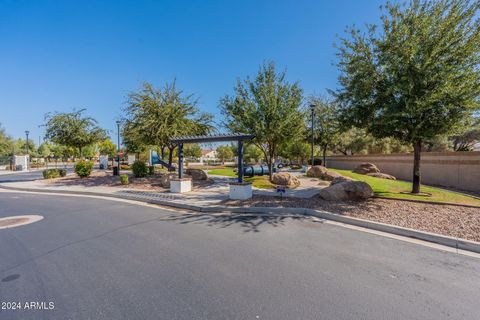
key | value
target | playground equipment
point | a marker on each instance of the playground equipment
(155, 159)
(256, 171)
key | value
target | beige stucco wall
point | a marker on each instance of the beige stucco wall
(460, 170)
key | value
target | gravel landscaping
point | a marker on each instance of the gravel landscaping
(104, 179)
(455, 221)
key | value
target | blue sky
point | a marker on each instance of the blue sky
(60, 55)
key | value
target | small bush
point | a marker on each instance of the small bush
(125, 167)
(62, 172)
(139, 169)
(124, 179)
(151, 170)
(51, 173)
(83, 168)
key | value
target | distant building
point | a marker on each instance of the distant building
(208, 155)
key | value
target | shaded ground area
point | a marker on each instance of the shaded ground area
(104, 179)
(455, 221)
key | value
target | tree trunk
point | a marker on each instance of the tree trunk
(270, 168)
(417, 149)
(162, 152)
(170, 155)
(324, 150)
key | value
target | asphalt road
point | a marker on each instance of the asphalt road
(102, 259)
(26, 176)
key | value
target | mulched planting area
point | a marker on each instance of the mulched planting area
(104, 179)
(454, 221)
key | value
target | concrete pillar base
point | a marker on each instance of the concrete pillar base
(180, 185)
(240, 191)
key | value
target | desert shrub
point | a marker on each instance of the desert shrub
(83, 168)
(151, 170)
(51, 173)
(125, 167)
(124, 179)
(139, 169)
(62, 172)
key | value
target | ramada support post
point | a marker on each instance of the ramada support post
(180, 161)
(240, 161)
(181, 184)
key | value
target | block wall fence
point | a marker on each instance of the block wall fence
(460, 170)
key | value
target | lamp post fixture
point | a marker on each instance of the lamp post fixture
(118, 122)
(312, 108)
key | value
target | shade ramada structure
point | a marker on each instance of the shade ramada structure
(240, 138)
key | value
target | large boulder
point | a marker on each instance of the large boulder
(347, 190)
(340, 180)
(316, 171)
(285, 179)
(366, 167)
(330, 175)
(381, 175)
(197, 174)
(322, 173)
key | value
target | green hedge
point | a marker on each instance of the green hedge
(54, 173)
(124, 179)
(139, 169)
(83, 168)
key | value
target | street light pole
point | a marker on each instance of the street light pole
(118, 146)
(26, 144)
(26, 148)
(312, 108)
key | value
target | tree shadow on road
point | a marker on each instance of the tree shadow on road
(248, 222)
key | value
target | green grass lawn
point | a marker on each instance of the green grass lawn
(261, 182)
(228, 172)
(394, 188)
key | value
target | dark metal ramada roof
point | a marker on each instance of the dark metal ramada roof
(216, 138)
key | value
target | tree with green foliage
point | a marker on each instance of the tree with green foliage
(20, 146)
(225, 153)
(133, 140)
(268, 107)
(107, 147)
(252, 153)
(6, 143)
(192, 150)
(297, 150)
(352, 141)
(467, 139)
(153, 116)
(326, 123)
(416, 78)
(73, 129)
(44, 150)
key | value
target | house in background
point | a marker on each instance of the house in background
(208, 155)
